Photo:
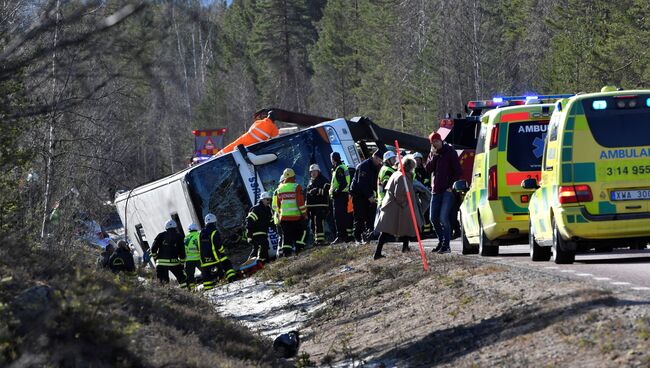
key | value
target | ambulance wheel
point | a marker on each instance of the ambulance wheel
(467, 247)
(485, 248)
(560, 254)
(537, 253)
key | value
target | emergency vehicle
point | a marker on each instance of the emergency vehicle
(594, 190)
(509, 150)
(228, 185)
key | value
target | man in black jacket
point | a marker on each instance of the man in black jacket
(168, 251)
(317, 203)
(214, 261)
(363, 194)
(258, 221)
(122, 259)
(339, 192)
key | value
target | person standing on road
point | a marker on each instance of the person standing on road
(395, 214)
(339, 193)
(289, 206)
(258, 222)
(387, 169)
(364, 203)
(423, 177)
(192, 255)
(168, 251)
(317, 203)
(214, 261)
(444, 166)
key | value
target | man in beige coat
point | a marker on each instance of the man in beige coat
(395, 215)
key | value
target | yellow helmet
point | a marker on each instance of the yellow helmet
(608, 89)
(288, 173)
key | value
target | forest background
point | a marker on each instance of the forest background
(98, 96)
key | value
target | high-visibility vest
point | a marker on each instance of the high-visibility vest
(384, 174)
(192, 246)
(335, 183)
(261, 130)
(289, 208)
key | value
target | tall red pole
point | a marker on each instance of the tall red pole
(408, 195)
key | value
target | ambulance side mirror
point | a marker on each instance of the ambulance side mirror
(460, 186)
(530, 184)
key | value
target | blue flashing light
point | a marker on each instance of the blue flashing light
(497, 99)
(528, 98)
(600, 104)
(647, 102)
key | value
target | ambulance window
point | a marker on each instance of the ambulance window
(619, 122)
(552, 128)
(526, 144)
(480, 145)
(179, 226)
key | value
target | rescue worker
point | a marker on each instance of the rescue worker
(339, 189)
(387, 169)
(444, 166)
(364, 203)
(192, 255)
(261, 130)
(291, 212)
(168, 251)
(424, 178)
(214, 261)
(317, 203)
(122, 259)
(258, 221)
(103, 261)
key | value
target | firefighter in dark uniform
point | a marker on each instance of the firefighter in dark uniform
(258, 221)
(214, 261)
(317, 203)
(339, 193)
(192, 255)
(363, 194)
(168, 252)
(424, 178)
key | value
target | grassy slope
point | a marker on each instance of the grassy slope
(95, 318)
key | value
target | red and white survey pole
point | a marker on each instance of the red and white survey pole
(408, 195)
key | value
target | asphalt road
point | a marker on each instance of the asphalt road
(619, 269)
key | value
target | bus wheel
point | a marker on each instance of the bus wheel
(485, 248)
(537, 253)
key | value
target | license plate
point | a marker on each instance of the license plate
(630, 195)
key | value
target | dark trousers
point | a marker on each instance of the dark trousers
(441, 205)
(260, 244)
(162, 272)
(190, 269)
(364, 216)
(293, 236)
(317, 217)
(341, 215)
(211, 274)
(385, 238)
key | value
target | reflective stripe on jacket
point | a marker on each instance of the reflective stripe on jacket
(382, 179)
(192, 246)
(210, 246)
(340, 180)
(288, 202)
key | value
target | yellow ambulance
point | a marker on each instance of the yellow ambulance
(594, 191)
(510, 145)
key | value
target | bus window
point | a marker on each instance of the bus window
(142, 238)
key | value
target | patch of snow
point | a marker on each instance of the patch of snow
(264, 306)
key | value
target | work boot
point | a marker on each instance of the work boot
(437, 249)
(406, 248)
(444, 250)
(339, 240)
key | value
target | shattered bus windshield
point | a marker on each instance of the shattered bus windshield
(216, 187)
(296, 151)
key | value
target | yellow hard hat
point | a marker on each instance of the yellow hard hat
(288, 173)
(608, 89)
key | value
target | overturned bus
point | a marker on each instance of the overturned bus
(229, 185)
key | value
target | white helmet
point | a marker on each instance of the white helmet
(171, 224)
(266, 195)
(417, 155)
(314, 167)
(193, 227)
(388, 155)
(210, 219)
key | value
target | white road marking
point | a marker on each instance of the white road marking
(620, 283)
(641, 288)
(552, 268)
(602, 278)
(583, 274)
(568, 271)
